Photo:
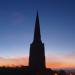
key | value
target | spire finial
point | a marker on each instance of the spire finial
(37, 35)
(37, 13)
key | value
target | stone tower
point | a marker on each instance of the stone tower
(37, 52)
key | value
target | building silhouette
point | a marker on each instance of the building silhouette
(37, 52)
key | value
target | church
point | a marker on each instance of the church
(37, 63)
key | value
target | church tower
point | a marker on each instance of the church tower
(37, 52)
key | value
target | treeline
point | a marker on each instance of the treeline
(25, 70)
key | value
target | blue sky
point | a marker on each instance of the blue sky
(57, 21)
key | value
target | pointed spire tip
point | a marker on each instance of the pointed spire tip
(37, 34)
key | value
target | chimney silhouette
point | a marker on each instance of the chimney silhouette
(37, 52)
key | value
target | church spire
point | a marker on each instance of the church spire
(37, 52)
(37, 35)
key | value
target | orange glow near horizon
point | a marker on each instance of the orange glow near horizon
(13, 62)
(60, 66)
(24, 62)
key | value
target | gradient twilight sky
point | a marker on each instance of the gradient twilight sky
(57, 21)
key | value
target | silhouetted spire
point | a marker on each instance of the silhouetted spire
(37, 35)
(37, 52)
